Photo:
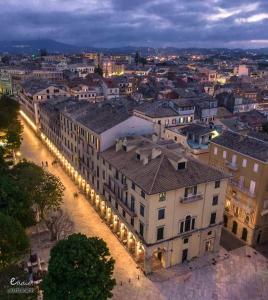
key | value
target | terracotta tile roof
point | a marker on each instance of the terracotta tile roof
(244, 144)
(159, 175)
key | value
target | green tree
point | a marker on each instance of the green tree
(98, 70)
(10, 126)
(13, 241)
(80, 268)
(42, 188)
(15, 202)
(8, 111)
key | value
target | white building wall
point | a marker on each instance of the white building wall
(132, 126)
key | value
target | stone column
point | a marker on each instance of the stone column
(148, 264)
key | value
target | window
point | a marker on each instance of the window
(132, 221)
(138, 156)
(143, 194)
(188, 224)
(215, 151)
(244, 163)
(161, 214)
(124, 213)
(234, 228)
(234, 157)
(160, 233)
(215, 200)
(133, 186)
(210, 232)
(217, 184)
(141, 229)
(162, 196)
(212, 218)
(142, 210)
(224, 154)
(116, 205)
(244, 234)
(182, 165)
(225, 220)
(185, 241)
(132, 203)
(255, 168)
(190, 191)
(252, 186)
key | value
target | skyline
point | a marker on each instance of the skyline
(117, 23)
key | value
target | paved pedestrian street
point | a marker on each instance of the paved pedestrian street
(243, 274)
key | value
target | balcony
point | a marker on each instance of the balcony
(191, 198)
(242, 188)
(232, 166)
(128, 210)
(247, 207)
(109, 190)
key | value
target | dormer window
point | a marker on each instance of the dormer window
(182, 165)
(138, 156)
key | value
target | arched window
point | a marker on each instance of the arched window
(188, 223)
(234, 229)
(244, 234)
(225, 220)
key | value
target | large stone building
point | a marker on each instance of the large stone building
(164, 206)
(246, 205)
(33, 92)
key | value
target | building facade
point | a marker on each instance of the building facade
(246, 204)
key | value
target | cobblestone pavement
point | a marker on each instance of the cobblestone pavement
(243, 275)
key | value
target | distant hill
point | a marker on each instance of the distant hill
(33, 46)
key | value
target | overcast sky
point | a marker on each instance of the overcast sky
(161, 23)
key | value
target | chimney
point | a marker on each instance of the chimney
(118, 145)
(145, 160)
(154, 138)
(156, 152)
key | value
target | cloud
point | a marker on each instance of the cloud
(111, 23)
(253, 18)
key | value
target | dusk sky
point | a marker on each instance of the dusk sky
(161, 23)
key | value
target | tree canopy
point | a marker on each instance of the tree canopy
(80, 268)
(42, 188)
(27, 185)
(98, 70)
(15, 202)
(10, 126)
(13, 242)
